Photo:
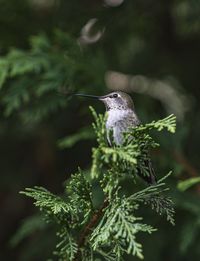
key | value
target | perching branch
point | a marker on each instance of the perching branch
(88, 228)
(111, 230)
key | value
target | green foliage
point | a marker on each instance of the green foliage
(67, 248)
(168, 123)
(69, 141)
(126, 159)
(39, 81)
(153, 196)
(80, 196)
(186, 184)
(110, 230)
(47, 201)
(48, 70)
(167, 30)
(119, 227)
(30, 225)
(189, 234)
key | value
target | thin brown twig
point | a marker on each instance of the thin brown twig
(88, 229)
(188, 167)
(184, 162)
(181, 159)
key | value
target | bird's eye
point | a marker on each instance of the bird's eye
(115, 95)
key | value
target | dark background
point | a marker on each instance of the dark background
(149, 48)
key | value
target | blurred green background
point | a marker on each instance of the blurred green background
(51, 48)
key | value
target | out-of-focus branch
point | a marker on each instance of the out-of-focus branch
(184, 162)
(113, 3)
(188, 167)
(86, 36)
(181, 159)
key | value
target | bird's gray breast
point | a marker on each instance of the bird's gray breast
(118, 122)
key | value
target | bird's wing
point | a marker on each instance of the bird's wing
(149, 174)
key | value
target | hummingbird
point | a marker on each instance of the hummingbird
(122, 116)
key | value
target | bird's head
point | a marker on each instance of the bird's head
(114, 101)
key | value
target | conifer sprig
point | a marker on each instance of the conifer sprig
(107, 230)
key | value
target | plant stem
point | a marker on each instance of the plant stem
(88, 229)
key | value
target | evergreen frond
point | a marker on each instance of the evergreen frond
(99, 127)
(154, 196)
(67, 247)
(47, 201)
(70, 141)
(119, 224)
(168, 123)
(80, 195)
(186, 184)
(88, 230)
(49, 71)
(29, 225)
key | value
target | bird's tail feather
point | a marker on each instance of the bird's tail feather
(149, 175)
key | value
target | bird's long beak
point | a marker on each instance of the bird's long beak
(89, 96)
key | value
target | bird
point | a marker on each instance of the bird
(121, 116)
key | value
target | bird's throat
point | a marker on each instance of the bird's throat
(116, 115)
